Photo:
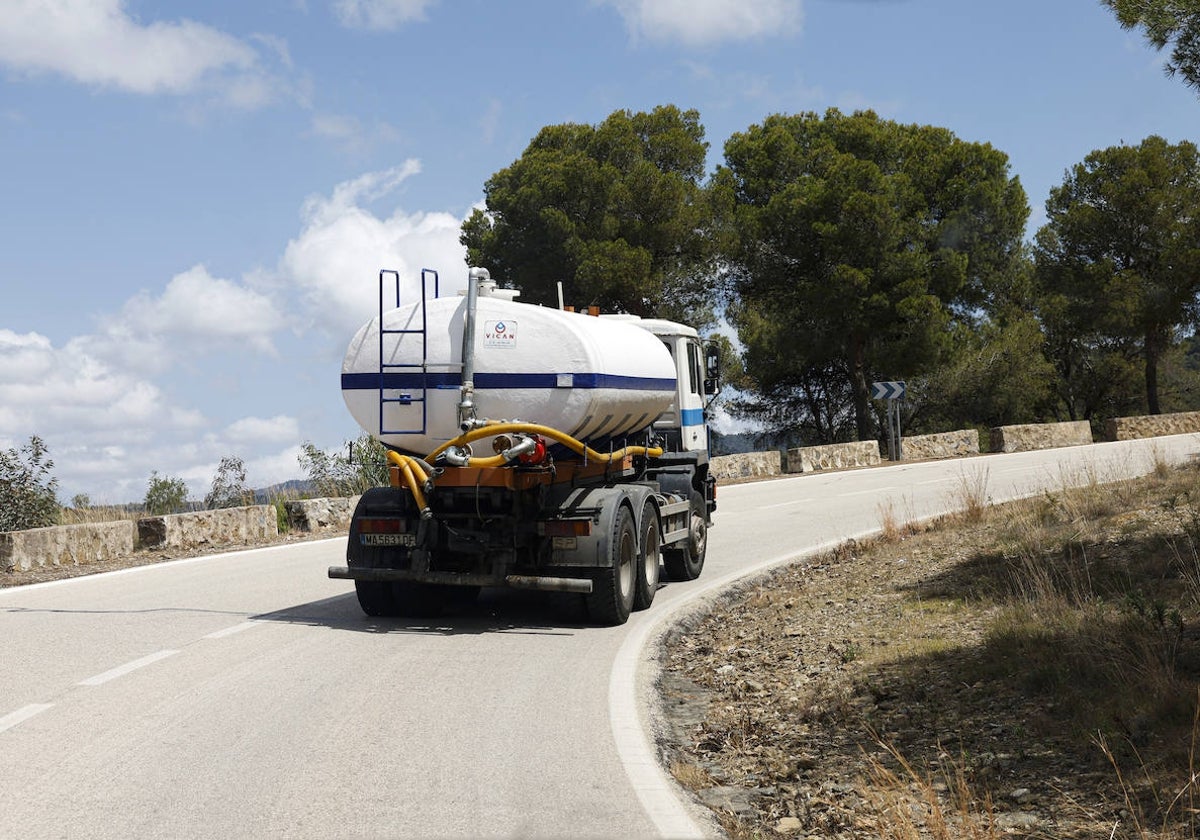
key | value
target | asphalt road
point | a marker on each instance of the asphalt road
(245, 695)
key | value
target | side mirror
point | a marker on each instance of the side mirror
(712, 369)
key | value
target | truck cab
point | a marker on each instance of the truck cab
(682, 425)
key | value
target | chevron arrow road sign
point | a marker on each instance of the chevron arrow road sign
(887, 390)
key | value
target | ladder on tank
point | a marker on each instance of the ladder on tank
(417, 373)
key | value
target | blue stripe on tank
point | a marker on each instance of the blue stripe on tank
(392, 380)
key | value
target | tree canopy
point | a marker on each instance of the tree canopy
(1119, 260)
(1167, 22)
(851, 248)
(616, 212)
(855, 245)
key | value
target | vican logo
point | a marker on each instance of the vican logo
(499, 333)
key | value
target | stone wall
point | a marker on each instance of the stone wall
(1041, 436)
(942, 445)
(320, 514)
(254, 523)
(833, 456)
(745, 465)
(66, 545)
(1157, 425)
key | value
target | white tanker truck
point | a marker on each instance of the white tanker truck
(528, 447)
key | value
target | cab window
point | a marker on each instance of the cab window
(694, 367)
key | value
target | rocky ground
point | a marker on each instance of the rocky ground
(859, 694)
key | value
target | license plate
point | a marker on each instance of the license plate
(388, 540)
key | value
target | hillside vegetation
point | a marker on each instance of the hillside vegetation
(1029, 669)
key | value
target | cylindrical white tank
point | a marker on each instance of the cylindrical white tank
(592, 378)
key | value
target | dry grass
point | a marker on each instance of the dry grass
(890, 530)
(691, 776)
(1177, 808)
(96, 515)
(929, 805)
(970, 493)
(1100, 591)
(894, 527)
(1083, 605)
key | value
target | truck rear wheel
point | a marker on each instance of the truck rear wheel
(418, 600)
(611, 599)
(687, 561)
(374, 597)
(649, 556)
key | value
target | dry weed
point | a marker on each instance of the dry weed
(890, 530)
(970, 493)
(691, 776)
(923, 806)
(97, 515)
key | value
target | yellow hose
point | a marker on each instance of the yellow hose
(414, 476)
(410, 469)
(545, 431)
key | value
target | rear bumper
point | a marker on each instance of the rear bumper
(553, 584)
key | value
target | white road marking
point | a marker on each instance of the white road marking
(871, 492)
(229, 631)
(21, 715)
(785, 504)
(121, 671)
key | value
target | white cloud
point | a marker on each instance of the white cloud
(260, 430)
(379, 14)
(26, 357)
(97, 42)
(338, 255)
(700, 22)
(199, 308)
(64, 393)
(274, 467)
(350, 135)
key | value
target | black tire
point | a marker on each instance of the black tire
(649, 557)
(374, 597)
(462, 596)
(611, 599)
(419, 600)
(687, 561)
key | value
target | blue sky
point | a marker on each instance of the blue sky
(197, 197)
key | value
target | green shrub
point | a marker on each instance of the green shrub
(229, 486)
(165, 494)
(334, 474)
(28, 493)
